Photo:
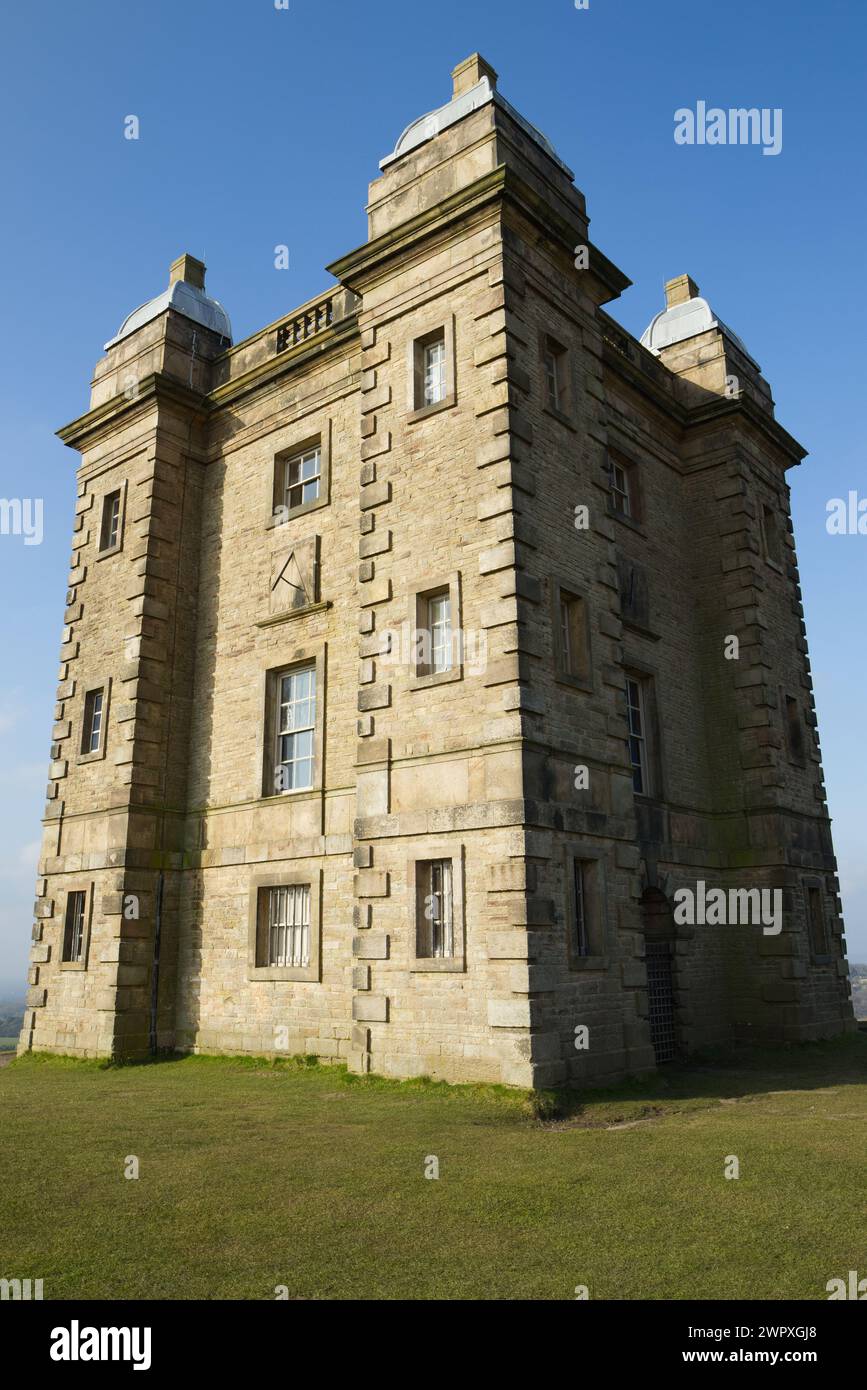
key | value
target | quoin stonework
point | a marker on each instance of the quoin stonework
(276, 823)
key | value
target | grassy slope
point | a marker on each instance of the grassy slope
(255, 1175)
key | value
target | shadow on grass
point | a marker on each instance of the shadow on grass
(703, 1081)
(711, 1078)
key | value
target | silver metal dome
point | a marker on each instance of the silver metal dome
(185, 299)
(686, 320)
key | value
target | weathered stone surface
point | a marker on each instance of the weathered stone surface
(511, 765)
(370, 1008)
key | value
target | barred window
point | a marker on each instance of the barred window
(289, 926)
(580, 932)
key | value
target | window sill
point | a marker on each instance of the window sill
(95, 757)
(454, 673)
(640, 630)
(73, 965)
(301, 974)
(296, 792)
(560, 415)
(109, 550)
(579, 963)
(449, 965)
(278, 518)
(425, 411)
(576, 682)
(629, 521)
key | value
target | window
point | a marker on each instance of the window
(585, 935)
(438, 632)
(290, 734)
(435, 912)
(570, 623)
(431, 371)
(554, 367)
(636, 707)
(73, 930)
(573, 637)
(435, 626)
(284, 925)
(816, 920)
(794, 731)
(302, 474)
(434, 371)
(580, 932)
(634, 593)
(288, 927)
(773, 537)
(621, 489)
(435, 908)
(296, 725)
(95, 697)
(556, 385)
(91, 738)
(300, 480)
(109, 531)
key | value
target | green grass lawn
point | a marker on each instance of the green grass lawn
(8, 1044)
(254, 1175)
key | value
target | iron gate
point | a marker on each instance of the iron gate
(660, 993)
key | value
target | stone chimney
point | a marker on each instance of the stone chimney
(188, 269)
(679, 290)
(470, 72)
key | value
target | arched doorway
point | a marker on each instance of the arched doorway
(657, 921)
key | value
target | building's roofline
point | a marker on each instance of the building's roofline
(496, 184)
(185, 299)
(633, 369)
(679, 322)
(272, 327)
(427, 127)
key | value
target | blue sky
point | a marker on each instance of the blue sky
(260, 127)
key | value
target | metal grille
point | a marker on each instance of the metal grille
(289, 921)
(660, 992)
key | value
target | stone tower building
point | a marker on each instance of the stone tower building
(422, 649)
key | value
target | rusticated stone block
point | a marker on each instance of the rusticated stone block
(370, 1008)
